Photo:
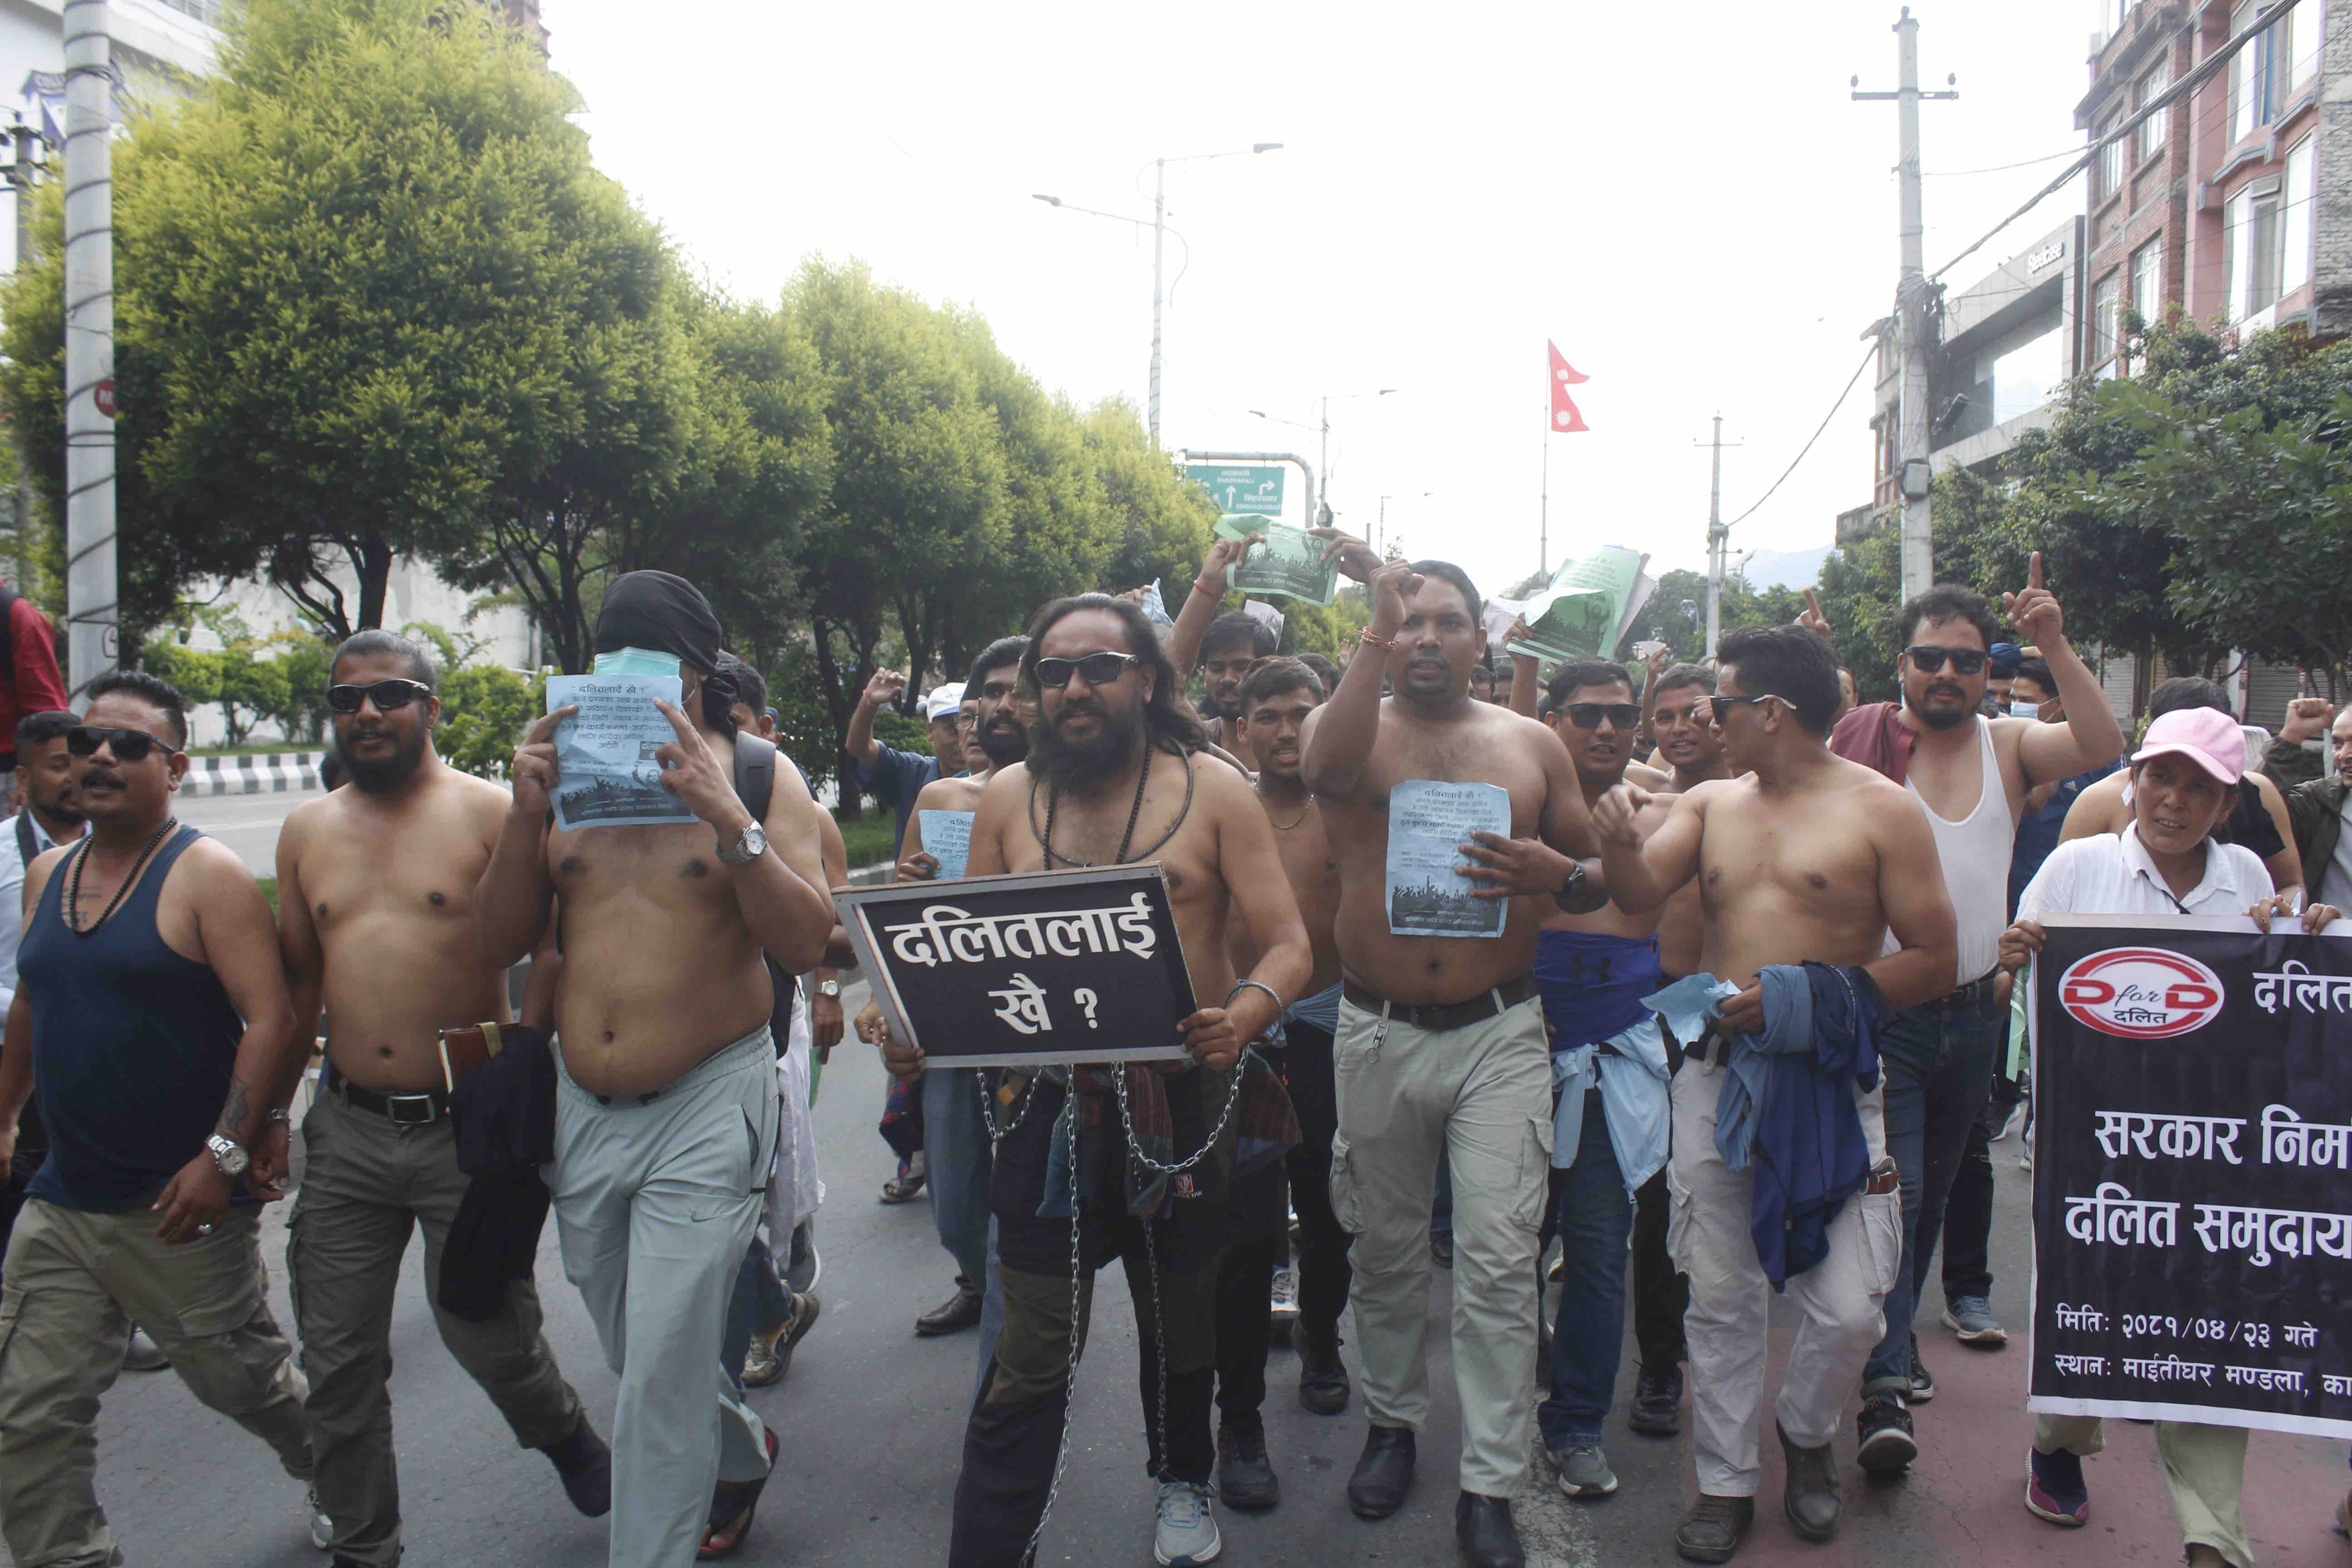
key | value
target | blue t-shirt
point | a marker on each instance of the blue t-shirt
(2037, 835)
(896, 778)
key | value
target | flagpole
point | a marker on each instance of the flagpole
(1543, 505)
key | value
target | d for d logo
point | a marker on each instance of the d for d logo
(2140, 992)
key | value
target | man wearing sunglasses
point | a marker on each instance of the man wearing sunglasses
(1971, 773)
(1115, 776)
(376, 892)
(667, 1111)
(1803, 857)
(152, 1009)
(1441, 1050)
(1224, 645)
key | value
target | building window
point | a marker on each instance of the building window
(2110, 161)
(2264, 73)
(2147, 283)
(2252, 251)
(2302, 195)
(2148, 141)
(207, 11)
(2104, 297)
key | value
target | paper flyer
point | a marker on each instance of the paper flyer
(606, 773)
(947, 838)
(1428, 821)
(1290, 563)
(1586, 608)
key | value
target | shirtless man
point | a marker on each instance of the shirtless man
(1608, 1129)
(1441, 1047)
(1224, 647)
(665, 1130)
(1691, 748)
(1276, 696)
(1112, 779)
(955, 1141)
(375, 894)
(1972, 774)
(1800, 855)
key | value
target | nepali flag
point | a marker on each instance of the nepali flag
(1564, 416)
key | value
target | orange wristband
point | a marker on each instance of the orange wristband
(1392, 644)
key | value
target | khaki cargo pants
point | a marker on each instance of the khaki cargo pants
(76, 1282)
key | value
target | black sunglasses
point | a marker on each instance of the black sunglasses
(1929, 660)
(385, 694)
(1100, 669)
(1588, 715)
(128, 745)
(1720, 698)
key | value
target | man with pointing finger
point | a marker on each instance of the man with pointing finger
(667, 1109)
(1972, 773)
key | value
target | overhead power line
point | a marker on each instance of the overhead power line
(1808, 443)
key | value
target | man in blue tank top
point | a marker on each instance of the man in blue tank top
(151, 1019)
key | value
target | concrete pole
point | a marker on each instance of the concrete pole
(1159, 246)
(1715, 536)
(92, 646)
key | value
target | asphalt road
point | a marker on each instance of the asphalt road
(248, 824)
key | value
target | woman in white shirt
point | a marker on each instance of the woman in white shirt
(2184, 781)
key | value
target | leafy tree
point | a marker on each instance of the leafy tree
(485, 708)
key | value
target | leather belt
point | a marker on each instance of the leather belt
(1968, 995)
(1443, 1014)
(405, 1110)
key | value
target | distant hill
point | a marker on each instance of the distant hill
(1786, 568)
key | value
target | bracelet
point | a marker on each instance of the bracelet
(285, 1116)
(1201, 587)
(1242, 985)
(1392, 644)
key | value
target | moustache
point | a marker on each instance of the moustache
(100, 777)
(1941, 689)
(1077, 705)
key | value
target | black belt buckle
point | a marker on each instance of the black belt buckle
(410, 1109)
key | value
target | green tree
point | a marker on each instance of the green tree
(370, 287)
(485, 708)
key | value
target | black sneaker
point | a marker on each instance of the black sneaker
(1922, 1382)
(1245, 1478)
(1883, 1441)
(1656, 1411)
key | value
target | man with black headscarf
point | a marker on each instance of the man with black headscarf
(667, 1109)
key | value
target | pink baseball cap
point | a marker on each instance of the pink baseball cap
(2205, 736)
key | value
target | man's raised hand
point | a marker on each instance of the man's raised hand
(1395, 581)
(1356, 557)
(690, 771)
(2033, 610)
(534, 772)
(882, 688)
(1222, 556)
(2306, 717)
(1812, 618)
(1617, 815)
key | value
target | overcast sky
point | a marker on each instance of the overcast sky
(1686, 201)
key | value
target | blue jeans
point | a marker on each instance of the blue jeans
(955, 1145)
(1937, 1063)
(1593, 1216)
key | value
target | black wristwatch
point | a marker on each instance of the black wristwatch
(1567, 890)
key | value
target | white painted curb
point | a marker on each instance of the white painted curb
(271, 772)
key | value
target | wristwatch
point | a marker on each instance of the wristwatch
(749, 846)
(1575, 879)
(828, 987)
(229, 1157)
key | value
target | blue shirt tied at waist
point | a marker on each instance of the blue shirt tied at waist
(1592, 987)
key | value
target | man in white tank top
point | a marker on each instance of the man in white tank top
(1972, 773)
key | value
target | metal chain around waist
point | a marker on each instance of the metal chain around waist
(1232, 1097)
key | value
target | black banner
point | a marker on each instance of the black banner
(1072, 966)
(2192, 1174)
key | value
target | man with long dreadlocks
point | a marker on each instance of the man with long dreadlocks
(1114, 777)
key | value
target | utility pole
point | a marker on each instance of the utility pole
(1159, 246)
(25, 149)
(1716, 537)
(1911, 303)
(92, 644)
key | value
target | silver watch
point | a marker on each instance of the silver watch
(828, 988)
(749, 846)
(229, 1157)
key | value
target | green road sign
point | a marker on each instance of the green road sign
(1240, 489)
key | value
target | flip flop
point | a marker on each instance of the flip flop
(732, 1500)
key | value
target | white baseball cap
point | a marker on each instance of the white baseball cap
(943, 702)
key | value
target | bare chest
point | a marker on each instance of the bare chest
(410, 876)
(672, 864)
(1786, 854)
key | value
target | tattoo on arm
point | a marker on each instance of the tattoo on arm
(237, 1112)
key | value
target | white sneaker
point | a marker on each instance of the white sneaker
(1188, 1526)
(144, 1354)
(1286, 1296)
(322, 1529)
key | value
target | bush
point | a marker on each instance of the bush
(903, 730)
(485, 709)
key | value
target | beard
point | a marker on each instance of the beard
(1003, 745)
(1080, 765)
(377, 775)
(1942, 718)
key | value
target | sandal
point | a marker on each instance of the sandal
(732, 1500)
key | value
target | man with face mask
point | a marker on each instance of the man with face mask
(954, 1140)
(667, 1111)
(376, 890)
(1971, 773)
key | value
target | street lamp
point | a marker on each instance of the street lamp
(1323, 457)
(1158, 226)
(1379, 534)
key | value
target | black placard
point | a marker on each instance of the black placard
(1071, 966)
(2192, 1173)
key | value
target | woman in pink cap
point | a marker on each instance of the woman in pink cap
(2184, 781)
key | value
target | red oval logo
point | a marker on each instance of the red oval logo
(2140, 992)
